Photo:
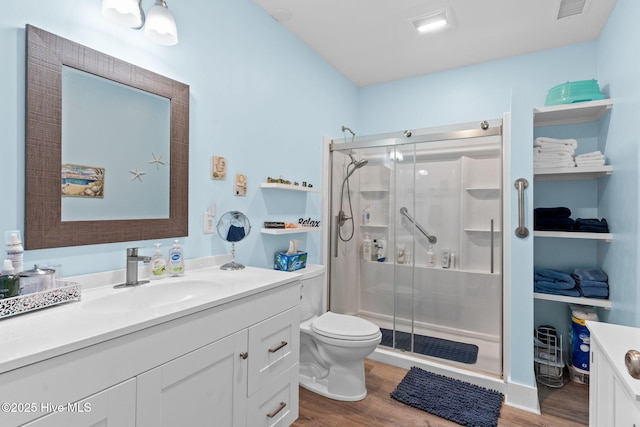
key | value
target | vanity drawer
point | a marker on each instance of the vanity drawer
(274, 346)
(276, 404)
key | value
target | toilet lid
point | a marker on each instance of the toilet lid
(344, 327)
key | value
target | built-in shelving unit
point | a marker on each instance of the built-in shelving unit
(294, 188)
(607, 237)
(604, 303)
(288, 187)
(277, 231)
(577, 173)
(569, 114)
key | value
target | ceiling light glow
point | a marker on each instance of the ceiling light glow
(434, 21)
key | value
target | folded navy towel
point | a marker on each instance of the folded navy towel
(591, 225)
(594, 292)
(559, 212)
(559, 224)
(591, 284)
(552, 275)
(565, 292)
(554, 285)
(595, 273)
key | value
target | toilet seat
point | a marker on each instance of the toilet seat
(344, 327)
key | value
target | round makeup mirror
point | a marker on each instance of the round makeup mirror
(233, 226)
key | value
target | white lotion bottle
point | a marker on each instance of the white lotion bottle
(158, 264)
(431, 258)
(366, 248)
(366, 216)
(176, 262)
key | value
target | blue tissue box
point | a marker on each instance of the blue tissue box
(290, 262)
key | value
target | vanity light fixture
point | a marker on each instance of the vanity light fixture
(434, 21)
(159, 24)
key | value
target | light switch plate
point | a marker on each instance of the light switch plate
(209, 223)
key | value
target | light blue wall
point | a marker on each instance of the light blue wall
(619, 71)
(259, 97)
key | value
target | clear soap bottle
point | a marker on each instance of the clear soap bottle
(176, 261)
(158, 264)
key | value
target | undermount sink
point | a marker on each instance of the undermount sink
(149, 296)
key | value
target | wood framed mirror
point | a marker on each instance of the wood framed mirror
(45, 226)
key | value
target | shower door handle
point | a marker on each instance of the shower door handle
(521, 184)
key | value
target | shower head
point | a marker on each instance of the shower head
(360, 163)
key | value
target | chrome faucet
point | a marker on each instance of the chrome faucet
(132, 267)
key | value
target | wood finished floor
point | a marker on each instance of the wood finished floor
(564, 407)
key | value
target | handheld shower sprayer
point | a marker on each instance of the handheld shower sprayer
(342, 216)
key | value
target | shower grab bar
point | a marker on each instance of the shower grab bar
(432, 239)
(491, 267)
(521, 184)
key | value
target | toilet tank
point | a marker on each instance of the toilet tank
(312, 291)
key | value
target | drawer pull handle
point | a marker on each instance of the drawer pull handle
(244, 355)
(277, 410)
(282, 344)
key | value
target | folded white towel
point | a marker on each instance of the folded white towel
(547, 146)
(545, 140)
(592, 155)
(558, 155)
(595, 162)
(553, 164)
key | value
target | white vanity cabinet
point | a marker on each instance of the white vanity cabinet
(115, 406)
(614, 396)
(234, 364)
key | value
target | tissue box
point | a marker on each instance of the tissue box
(290, 262)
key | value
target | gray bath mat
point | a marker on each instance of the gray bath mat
(430, 346)
(458, 401)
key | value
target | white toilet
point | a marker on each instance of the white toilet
(332, 346)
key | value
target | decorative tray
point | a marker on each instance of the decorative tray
(64, 292)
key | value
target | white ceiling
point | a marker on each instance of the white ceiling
(373, 41)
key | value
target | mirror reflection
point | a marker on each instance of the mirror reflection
(233, 226)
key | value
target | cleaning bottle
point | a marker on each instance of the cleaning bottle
(382, 250)
(431, 258)
(366, 248)
(158, 264)
(15, 251)
(176, 261)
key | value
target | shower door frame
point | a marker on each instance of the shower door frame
(395, 141)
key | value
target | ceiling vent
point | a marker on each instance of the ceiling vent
(568, 8)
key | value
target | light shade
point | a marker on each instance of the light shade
(123, 12)
(434, 21)
(160, 26)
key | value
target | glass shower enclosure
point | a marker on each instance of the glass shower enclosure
(416, 243)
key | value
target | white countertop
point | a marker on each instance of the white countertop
(615, 341)
(33, 337)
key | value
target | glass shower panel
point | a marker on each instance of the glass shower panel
(424, 263)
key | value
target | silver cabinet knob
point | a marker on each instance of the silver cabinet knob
(632, 361)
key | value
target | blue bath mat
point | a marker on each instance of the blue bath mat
(458, 401)
(430, 346)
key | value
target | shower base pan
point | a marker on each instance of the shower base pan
(430, 346)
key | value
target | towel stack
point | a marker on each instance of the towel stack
(554, 282)
(591, 282)
(552, 219)
(554, 153)
(595, 158)
(591, 225)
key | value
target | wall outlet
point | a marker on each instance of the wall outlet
(209, 223)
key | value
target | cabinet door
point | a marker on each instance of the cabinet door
(274, 346)
(203, 388)
(601, 389)
(275, 404)
(114, 407)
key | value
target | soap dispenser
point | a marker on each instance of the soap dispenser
(176, 261)
(158, 264)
